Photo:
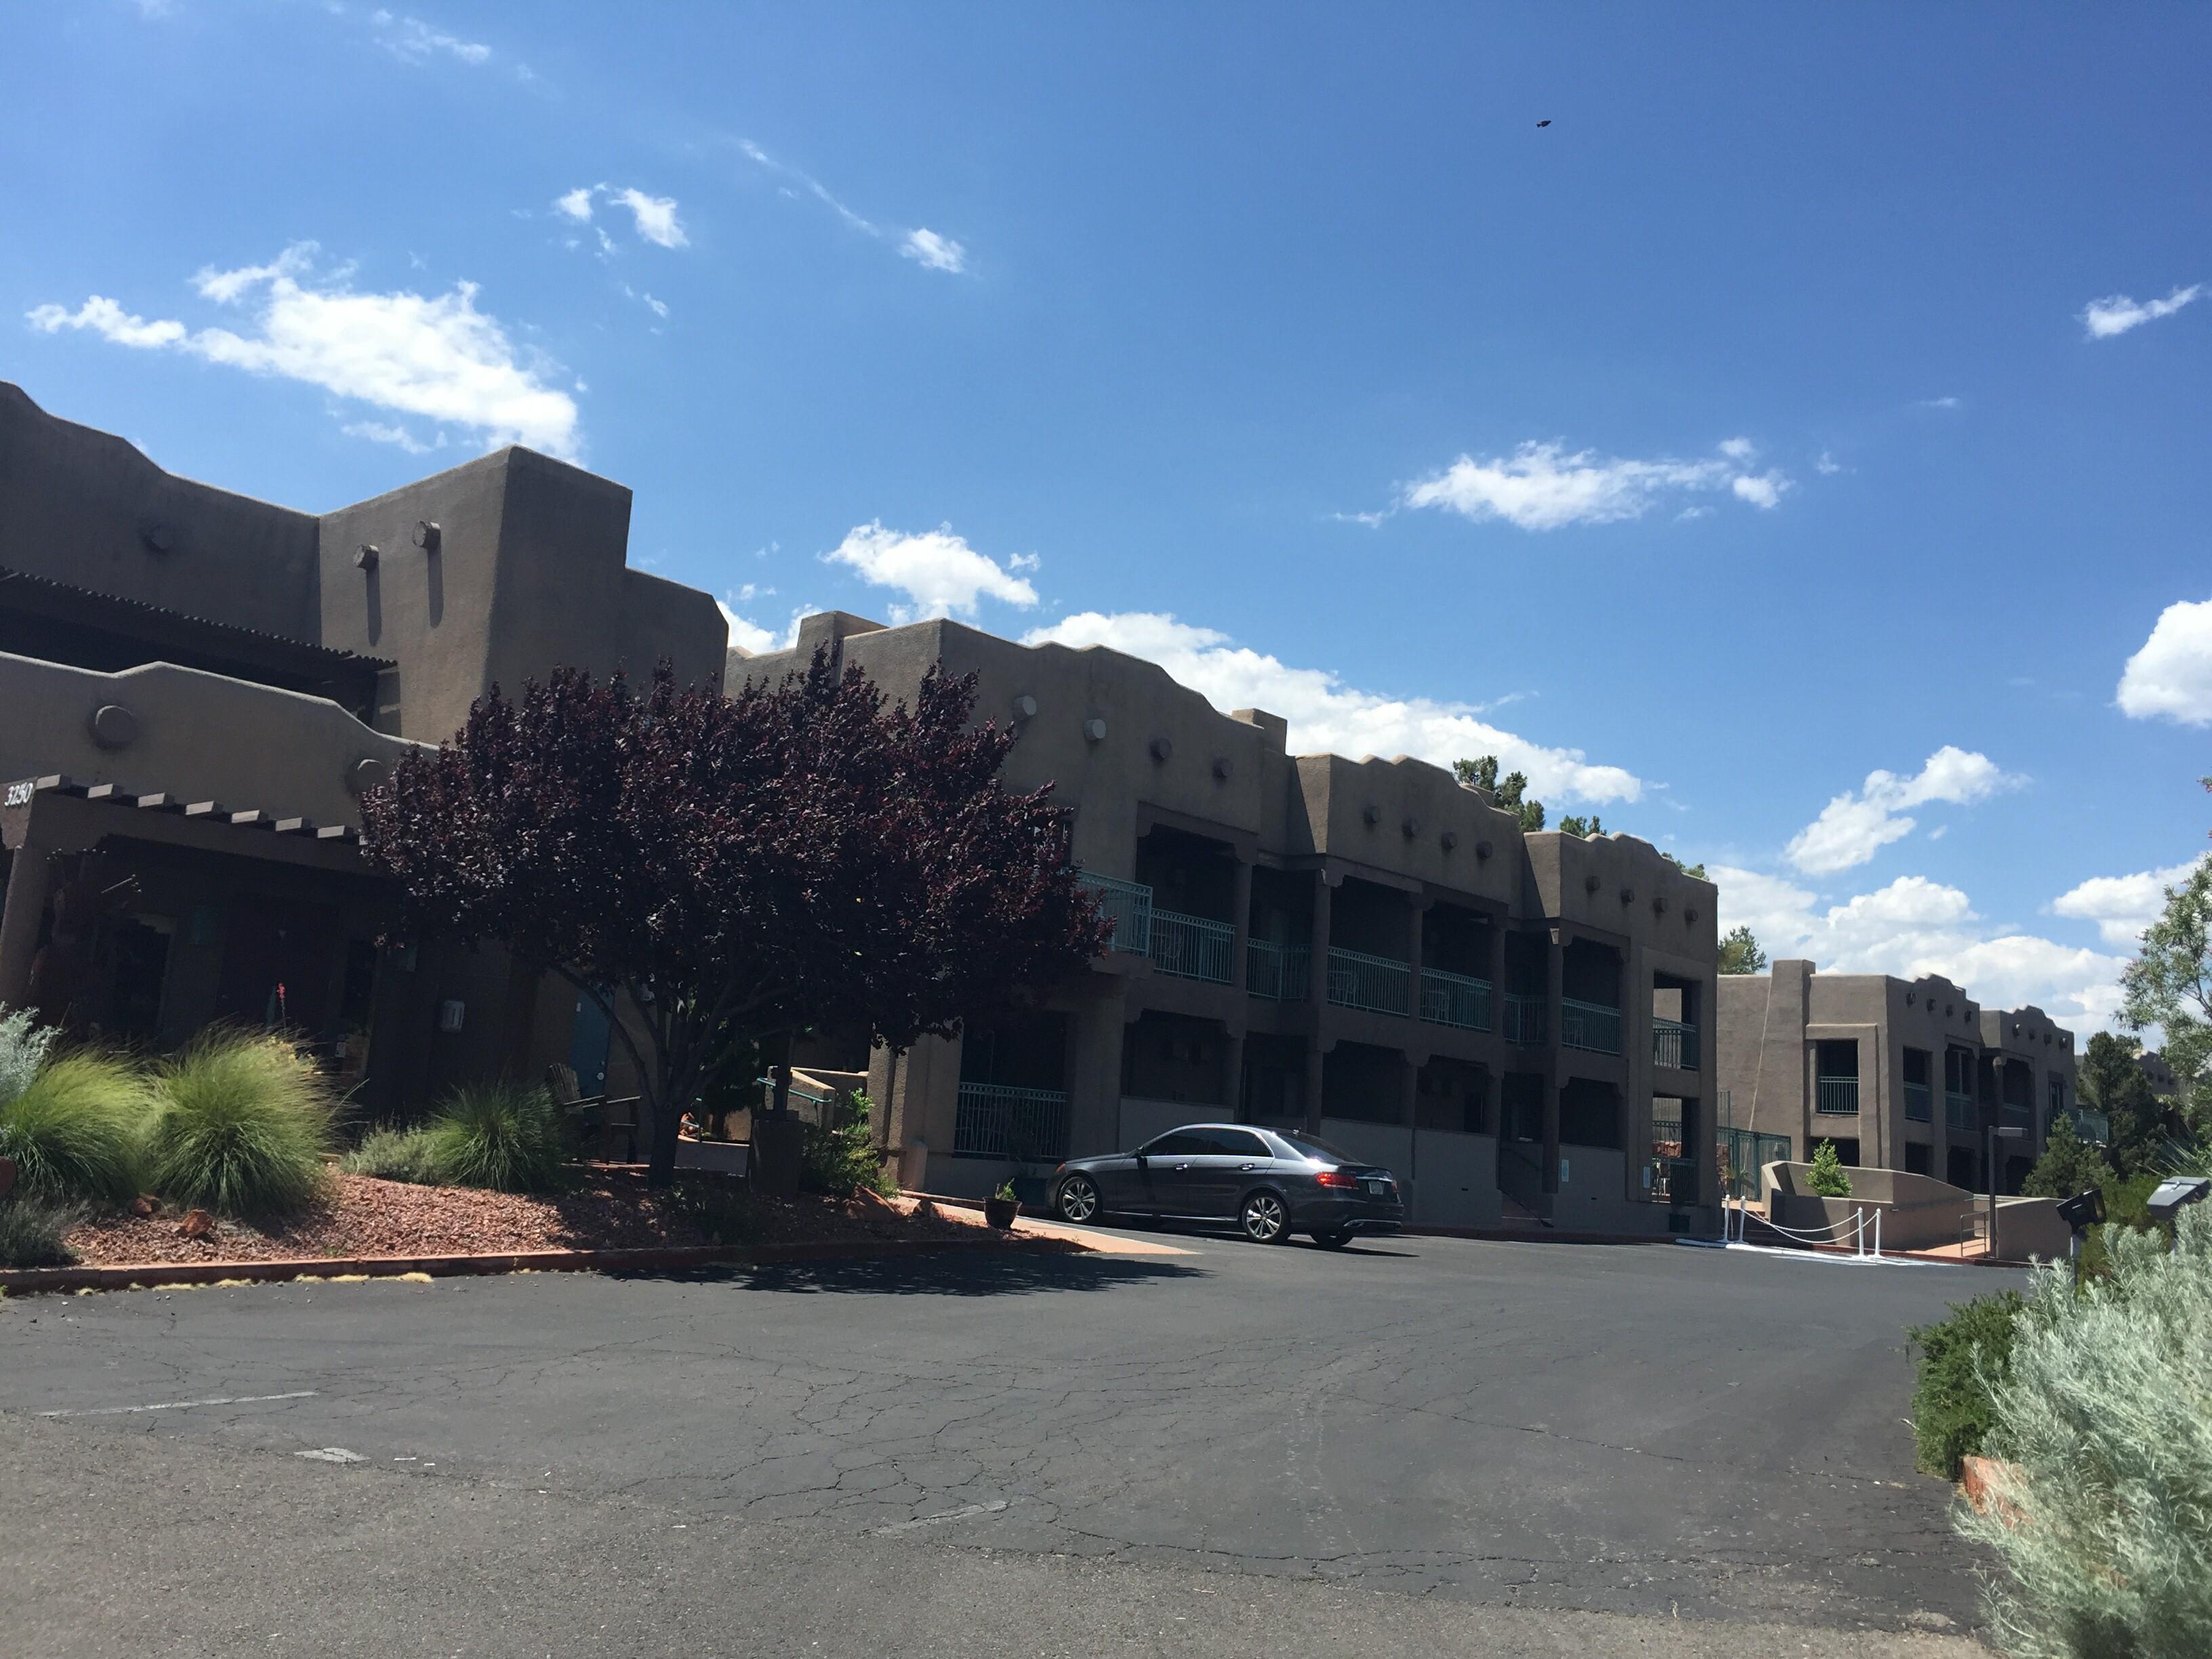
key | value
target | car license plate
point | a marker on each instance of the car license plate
(1378, 1188)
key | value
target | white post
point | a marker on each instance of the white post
(1877, 1235)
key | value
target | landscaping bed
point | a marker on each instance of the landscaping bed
(607, 1207)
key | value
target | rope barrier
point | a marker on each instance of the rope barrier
(1856, 1226)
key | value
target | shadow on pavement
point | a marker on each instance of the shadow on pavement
(1012, 1275)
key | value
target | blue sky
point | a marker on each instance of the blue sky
(1822, 395)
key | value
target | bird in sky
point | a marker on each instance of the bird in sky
(1545, 123)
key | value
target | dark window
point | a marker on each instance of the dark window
(1919, 1158)
(1180, 1143)
(1916, 1066)
(1959, 1070)
(1238, 1143)
(1847, 1149)
(1839, 1059)
(1589, 1116)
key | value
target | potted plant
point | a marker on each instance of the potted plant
(1002, 1206)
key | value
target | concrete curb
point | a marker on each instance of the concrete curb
(1496, 1234)
(150, 1275)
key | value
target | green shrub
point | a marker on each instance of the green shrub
(721, 1210)
(390, 1154)
(1951, 1409)
(506, 1136)
(23, 1048)
(1828, 1178)
(77, 1132)
(31, 1233)
(841, 1158)
(242, 1128)
(2102, 1522)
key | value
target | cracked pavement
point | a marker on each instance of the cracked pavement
(1425, 1435)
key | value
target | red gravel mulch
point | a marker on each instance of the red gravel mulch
(609, 1208)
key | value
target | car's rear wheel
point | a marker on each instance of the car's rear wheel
(1077, 1201)
(1263, 1218)
(1332, 1240)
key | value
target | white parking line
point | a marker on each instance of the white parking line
(183, 1405)
(332, 1455)
(960, 1513)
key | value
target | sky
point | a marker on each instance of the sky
(1779, 431)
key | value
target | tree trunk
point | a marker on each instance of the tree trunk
(660, 1153)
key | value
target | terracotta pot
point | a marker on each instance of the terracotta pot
(1000, 1211)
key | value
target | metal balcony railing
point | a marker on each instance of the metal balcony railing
(1381, 985)
(1128, 906)
(1959, 1111)
(1524, 1020)
(1837, 1096)
(995, 1121)
(1671, 1180)
(1455, 1000)
(1674, 1043)
(1590, 1026)
(1193, 947)
(1276, 972)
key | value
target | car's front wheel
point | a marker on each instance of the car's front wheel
(1079, 1200)
(1263, 1218)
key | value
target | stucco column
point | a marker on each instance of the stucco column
(1232, 1074)
(1494, 972)
(1317, 1000)
(1409, 1088)
(1094, 1102)
(30, 880)
(1241, 908)
(1416, 910)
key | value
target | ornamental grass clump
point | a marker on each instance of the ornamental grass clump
(2100, 1512)
(509, 1137)
(76, 1131)
(243, 1126)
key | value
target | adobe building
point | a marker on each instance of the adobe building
(1901, 1074)
(195, 688)
(1518, 1025)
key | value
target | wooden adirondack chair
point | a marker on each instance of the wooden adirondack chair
(598, 1119)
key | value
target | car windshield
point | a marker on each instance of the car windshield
(1314, 1146)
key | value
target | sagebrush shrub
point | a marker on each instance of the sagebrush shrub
(31, 1231)
(392, 1153)
(242, 1127)
(24, 1045)
(2102, 1519)
(510, 1137)
(78, 1130)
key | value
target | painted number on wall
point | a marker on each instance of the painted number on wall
(19, 794)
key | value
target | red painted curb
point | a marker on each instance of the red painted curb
(148, 1275)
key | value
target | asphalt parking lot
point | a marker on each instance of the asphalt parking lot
(1477, 1447)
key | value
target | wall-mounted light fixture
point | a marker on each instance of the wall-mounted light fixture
(427, 536)
(365, 555)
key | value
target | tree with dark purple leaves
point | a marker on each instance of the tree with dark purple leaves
(714, 870)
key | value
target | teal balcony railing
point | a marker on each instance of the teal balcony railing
(1193, 947)
(1128, 905)
(1674, 1043)
(1959, 1111)
(2093, 1127)
(1837, 1096)
(995, 1120)
(1276, 972)
(1920, 1103)
(1381, 985)
(1589, 1026)
(1524, 1020)
(1671, 1181)
(1455, 1000)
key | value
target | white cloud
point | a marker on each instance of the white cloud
(379, 432)
(1325, 715)
(2116, 313)
(437, 357)
(656, 217)
(935, 252)
(1827, 466)
(1941, 403)
(1543, 486)
(937, 571)
(751, 637)
(416, 41)
(576, 205)
(2123, 906)
(2172, 675)
(1914, 927)
(1853, 827)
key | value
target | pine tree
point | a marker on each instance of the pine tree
(1829, 1179)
